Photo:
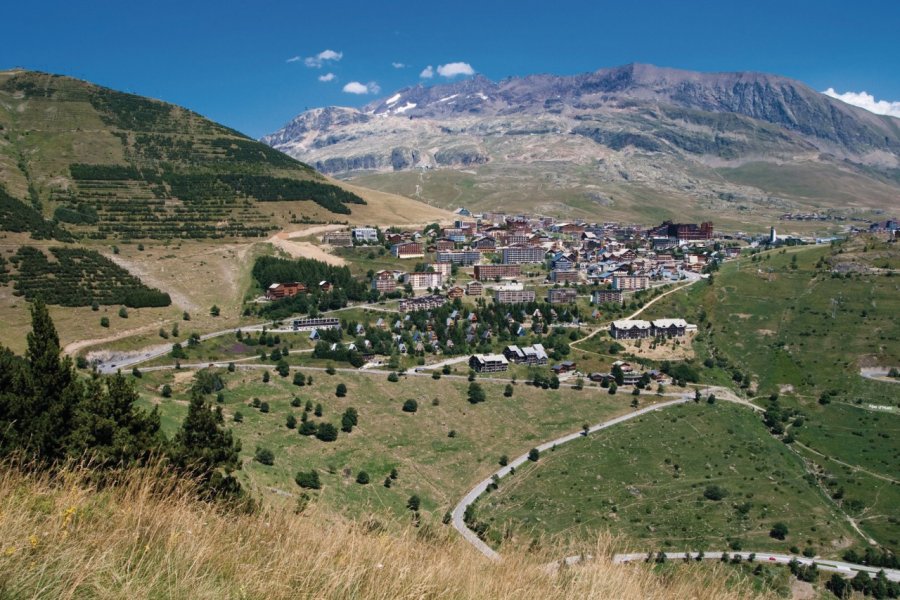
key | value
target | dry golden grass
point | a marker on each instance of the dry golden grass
(145, 537)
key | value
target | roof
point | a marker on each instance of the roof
(491, 358)
(666, 323)
(631, 324)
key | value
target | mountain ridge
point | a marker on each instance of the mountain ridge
(670, 129)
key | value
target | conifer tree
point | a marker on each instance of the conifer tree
(207, 450)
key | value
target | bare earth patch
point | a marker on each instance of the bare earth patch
(297, 249)
(667, 350)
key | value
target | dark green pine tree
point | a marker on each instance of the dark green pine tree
(13, 403)
(208, 451)
(108, 426)
(51, 393)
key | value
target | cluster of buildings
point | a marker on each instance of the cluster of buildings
(497, 246)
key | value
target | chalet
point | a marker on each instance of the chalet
(474, 288)
(488, 363)
(276, 291)
(529, 355)
(565, 366)
(324, 286)
(455, 292)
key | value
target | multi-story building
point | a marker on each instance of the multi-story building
(338, 238)
(605, 296)
(631, 282)
(636, 329)
(459, 257)
(408, 250)
(316, 323)
(529, 355)
(491, 272)
(562, 276)
(422, 303)
(485, 244)
(444, 244)
(669, 327)
(423, 281)
(488, 363)
(513, 293)
(474, 288)
(513, 255)
(445, 269)
(456, 234)
(365, 235)
(562, 295)
(276, 291)
(455, 292)
(384, 282)
(630, 329)
(684, 231)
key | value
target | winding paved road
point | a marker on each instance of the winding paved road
(459, 511)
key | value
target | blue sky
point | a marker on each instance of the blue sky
(229, 59)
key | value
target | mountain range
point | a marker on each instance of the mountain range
(625, 142)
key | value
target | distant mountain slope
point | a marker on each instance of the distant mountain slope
(110, 164)
(617, 139)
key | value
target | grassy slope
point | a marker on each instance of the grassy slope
(437, 467)
(143, 538)
(645, 480)
(777, 323)
(573, 191)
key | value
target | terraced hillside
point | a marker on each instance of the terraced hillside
(114, 165)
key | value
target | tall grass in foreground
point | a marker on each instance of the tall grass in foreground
(145, 536)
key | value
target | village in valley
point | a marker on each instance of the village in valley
(500, 293)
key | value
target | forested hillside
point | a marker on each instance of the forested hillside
(107, 164)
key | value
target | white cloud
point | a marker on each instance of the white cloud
(327, 77)
(294, 59)
(455, 68)
(355, 87)
(398, 65)
(867, 101)
(319, 60)
(427, 72)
